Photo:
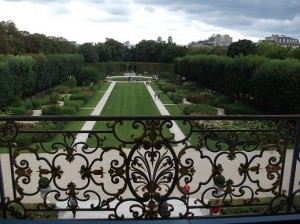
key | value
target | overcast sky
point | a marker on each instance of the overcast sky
(135, 20)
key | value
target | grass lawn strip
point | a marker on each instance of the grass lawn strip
(126, 99)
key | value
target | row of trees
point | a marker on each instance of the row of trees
(24, 76)
(144, 51)
(271, 85)
(15, 42)
(273, 51)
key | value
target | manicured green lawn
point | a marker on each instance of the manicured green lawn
(130, 99)
(126, 99)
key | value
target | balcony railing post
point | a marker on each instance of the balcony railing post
(293, 167)
(2, 196)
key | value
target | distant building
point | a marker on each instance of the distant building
(159, 39)
(282, 40)
(214, 40)
(170, 39)
(127, 44)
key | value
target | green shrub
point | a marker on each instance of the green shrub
(54, 97)
(15, 110)
(194, 97)
(36, 104)
(70, 110)
(64, 97)
(220, 101)
(51, 110)
(17, 103)
(61, 89)
(189, 85)
(240, 108)
(200, 109)
(176, 98)
(75, 103)
(80, 96)
(71, 82)
(207, 98)
(28, 105)
(168, 88)
(24, 139)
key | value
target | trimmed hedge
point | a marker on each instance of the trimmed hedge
(69, 110)
(203, 109)
(240, 108)
(75, 103)
(80, 96)
(51, 110)
(176, 98)
(16, 111)
(270, 85)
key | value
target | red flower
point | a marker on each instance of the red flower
(186, 188)
(215, 210)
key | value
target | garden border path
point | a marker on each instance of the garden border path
(162, 109)
(88, 125)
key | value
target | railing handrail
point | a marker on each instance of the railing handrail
(144, 117)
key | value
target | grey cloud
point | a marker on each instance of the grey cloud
(260, 15)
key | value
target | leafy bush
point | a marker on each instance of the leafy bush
(24, 140)
(60, 89)
(15, 110)
(168, 88)
(51, 110)
(71, 82)
(189, 85)
(193, 97)
(75, 103)
(176, 98)
(28, 105)
(70, 110)
(36, 104)
(207, 98)
(54, 97)
(240, 108)
(17, 103)
(80, 96)
(220, 101)
(200, 109)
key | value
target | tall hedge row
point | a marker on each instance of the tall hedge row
(271, 85)
(117, 68)
(24, 76)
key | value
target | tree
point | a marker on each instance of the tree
(241, 47)
(273, 51)
(89, 52)
(116, 49)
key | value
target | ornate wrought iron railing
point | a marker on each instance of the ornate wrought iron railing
(133, 168)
